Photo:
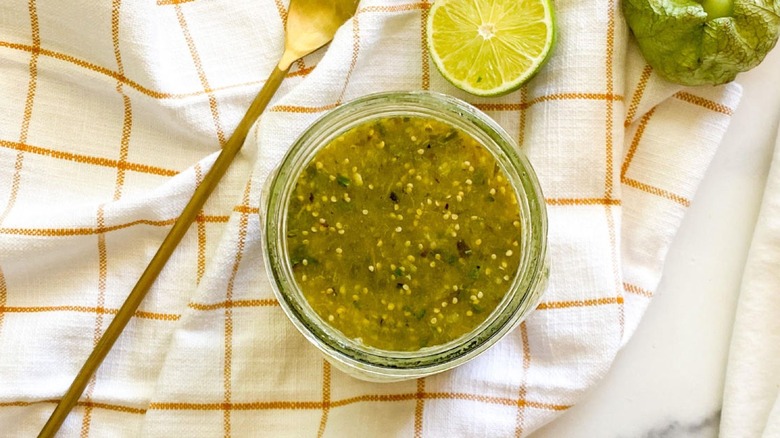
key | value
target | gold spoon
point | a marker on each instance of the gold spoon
(310, 25)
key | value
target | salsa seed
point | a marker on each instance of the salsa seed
(509, 253)
(338, 251)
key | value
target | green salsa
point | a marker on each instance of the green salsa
(403, 233)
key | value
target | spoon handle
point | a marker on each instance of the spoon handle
(169, 244)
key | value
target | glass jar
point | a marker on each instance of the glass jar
(524, 291)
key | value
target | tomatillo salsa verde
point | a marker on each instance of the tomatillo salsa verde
(403, 233)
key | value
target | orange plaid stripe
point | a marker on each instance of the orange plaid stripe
(581, 201)
(685, 202)
(580, 303)
(613, 245)
(172, 2)
(95, 405)
(87, 159)
(704, 103)
(88, 231)
(371, 398)
(88, 309)
(638, 94)
(522, 392)
(301, 405)
(523, 105)
(636, 290)
(325, 397)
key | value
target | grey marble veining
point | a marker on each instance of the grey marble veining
(704, 428)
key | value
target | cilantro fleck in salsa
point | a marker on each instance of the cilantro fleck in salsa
(403, 232)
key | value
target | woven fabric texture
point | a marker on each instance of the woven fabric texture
(111, 113)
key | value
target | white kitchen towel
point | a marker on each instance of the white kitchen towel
(111, 112)
(751, 398)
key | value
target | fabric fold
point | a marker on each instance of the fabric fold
(752, 387)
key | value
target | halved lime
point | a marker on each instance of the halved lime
(490, 47)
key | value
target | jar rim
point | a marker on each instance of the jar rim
(521, 295)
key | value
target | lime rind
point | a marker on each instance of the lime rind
(498, 64)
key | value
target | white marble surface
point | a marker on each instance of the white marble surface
(668, 381)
